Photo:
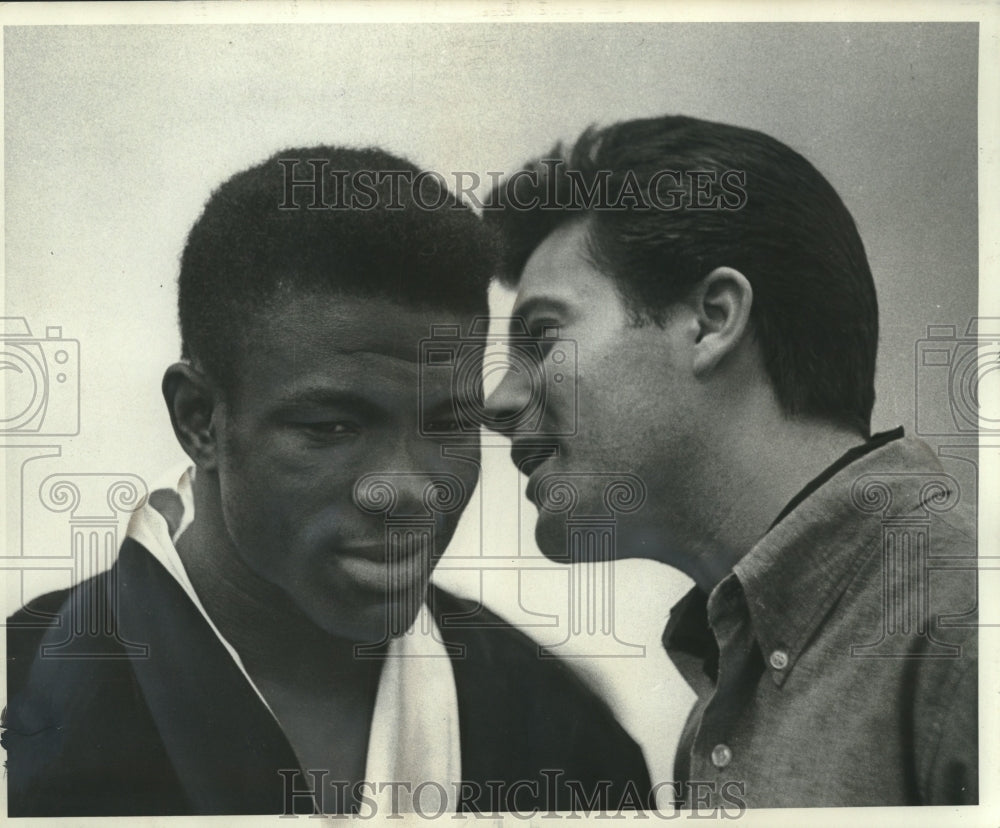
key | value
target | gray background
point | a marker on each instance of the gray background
(114, 137)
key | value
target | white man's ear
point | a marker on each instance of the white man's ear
(191, 402)
(721, 303)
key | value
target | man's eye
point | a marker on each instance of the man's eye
(546, 329)
(326, 428)
(532, 351)
(544, 334)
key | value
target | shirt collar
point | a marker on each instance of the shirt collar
(688, 634)
(795, 574)
(848, 457)
(414, 734)
(798, 571)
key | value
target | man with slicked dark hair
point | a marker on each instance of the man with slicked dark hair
(726, 326)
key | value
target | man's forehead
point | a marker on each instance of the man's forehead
(368, 327)
(316, 347)
(354, 378)
(559, 274)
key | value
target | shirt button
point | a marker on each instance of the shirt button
(779, 659)
(721, 756)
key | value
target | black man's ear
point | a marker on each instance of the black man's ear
(191, 401)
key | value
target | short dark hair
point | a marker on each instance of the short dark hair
(763, 209)
(376, 226)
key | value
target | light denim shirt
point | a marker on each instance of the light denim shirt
(836, 665)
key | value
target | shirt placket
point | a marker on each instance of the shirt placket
(716, 758)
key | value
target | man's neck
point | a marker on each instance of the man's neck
(748, 477)
(321, 695)
(274, 639)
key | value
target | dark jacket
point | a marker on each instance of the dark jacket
(153, 717)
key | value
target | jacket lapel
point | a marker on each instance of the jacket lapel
(225, 745)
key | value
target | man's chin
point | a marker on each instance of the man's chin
(584, 545)
(375, 623)
(551, 538)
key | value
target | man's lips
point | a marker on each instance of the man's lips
(398, 552)
(529, 456)
(371, 552)
(374, 568)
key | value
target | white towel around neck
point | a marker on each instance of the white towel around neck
(414, 737)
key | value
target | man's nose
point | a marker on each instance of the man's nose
(415, 478)
(407, 494)
(505, 407)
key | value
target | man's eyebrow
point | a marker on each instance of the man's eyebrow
(323, 395)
